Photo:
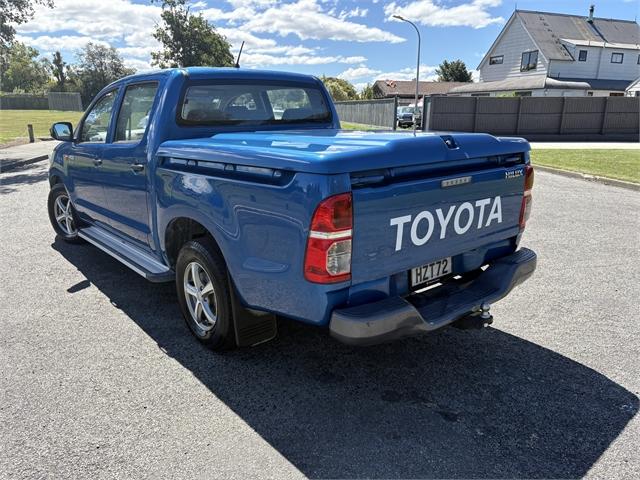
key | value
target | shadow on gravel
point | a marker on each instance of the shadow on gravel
(450, 404)
(32, 174)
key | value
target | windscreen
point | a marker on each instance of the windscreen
(253, 104)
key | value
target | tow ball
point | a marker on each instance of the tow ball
(477, 319)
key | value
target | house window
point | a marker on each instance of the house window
(529, 61)
(497, 60)
(616, 94)
(617, 57)
(523, 94)
(589, 94)
(582, 56)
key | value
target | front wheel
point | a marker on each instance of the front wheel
(61, 214)
(203, 294)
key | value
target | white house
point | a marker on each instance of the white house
(553, 54)
(633, 90)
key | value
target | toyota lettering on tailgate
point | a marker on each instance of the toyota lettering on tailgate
(463, 216)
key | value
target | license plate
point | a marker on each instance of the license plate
(431, 271)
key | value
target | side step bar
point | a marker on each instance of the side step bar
(133, 257)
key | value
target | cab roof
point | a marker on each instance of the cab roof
(201, 73)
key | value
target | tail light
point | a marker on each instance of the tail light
(328, 257)
(525, 209)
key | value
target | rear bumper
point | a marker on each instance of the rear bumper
(397, 317)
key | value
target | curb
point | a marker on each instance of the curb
(590, 178)
(8, 166)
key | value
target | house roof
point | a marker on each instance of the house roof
(407, 88)
(529, 82)
(591, 43)
(635, 83)
(533, 82)
(547, 29)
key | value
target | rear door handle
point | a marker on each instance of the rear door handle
(137, 167)
(97, 162)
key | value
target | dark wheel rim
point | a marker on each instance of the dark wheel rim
(200, 296)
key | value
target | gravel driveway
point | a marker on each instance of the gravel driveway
(100, 378)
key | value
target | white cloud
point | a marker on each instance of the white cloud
(47, 44)
(433, 14)
(354, 13)
(136, 52)
(356, 73)
(366, 75)
(138, 65)
(235, 37)
(427, 74)
(109, 21)
(129, 27)
(307, 20)
(260, 59)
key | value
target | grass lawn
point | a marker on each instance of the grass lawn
(361, 126)
(618, 164)
(13, 123)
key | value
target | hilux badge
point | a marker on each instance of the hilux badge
(513, 174)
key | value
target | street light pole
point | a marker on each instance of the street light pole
(417, 70)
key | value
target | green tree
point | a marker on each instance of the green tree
(97, 67)
(455, 71)
(188, 39)
(340, 89)
(22, 71)
(16, 12)
(367, 92)
(58, 71)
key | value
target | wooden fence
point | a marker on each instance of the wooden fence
(68, 101)
(539, 118)
(52, 101)
(23, 102)
(379, 113)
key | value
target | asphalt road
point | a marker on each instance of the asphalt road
(99, 377)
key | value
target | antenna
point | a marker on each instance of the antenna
(239, 53)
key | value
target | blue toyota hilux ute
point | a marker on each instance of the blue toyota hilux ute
(240, 186)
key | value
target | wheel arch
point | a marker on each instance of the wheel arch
(180, 230)
(55, 178)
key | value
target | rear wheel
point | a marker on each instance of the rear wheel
(203, 294)
(62, 215)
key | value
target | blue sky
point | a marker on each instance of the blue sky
(356, 40)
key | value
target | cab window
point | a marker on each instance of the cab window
(133, 117)
(96, 124)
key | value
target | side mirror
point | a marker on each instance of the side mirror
(62, 131)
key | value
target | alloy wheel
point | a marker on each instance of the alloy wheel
(200, 296)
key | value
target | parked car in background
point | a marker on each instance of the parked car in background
(188, 175)
(405, 116)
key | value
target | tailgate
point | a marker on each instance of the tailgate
(398, 226)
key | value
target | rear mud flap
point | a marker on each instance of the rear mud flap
(251, 327)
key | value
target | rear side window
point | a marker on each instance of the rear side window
(134, 112)
(253, 104)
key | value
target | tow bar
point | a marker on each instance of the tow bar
(479, 319)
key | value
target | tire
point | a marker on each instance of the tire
(62, 215)
(200, 264)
